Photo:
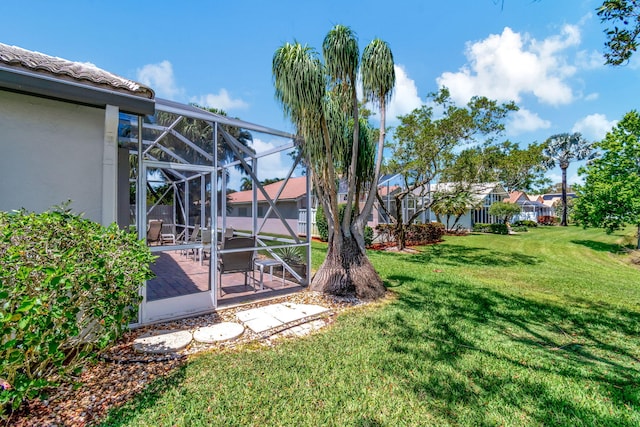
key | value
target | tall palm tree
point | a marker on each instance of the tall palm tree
(321, 101)
(561, 150)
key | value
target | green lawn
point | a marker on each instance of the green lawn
(540, 328)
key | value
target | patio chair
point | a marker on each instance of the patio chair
(237, 262)
(194, 237)
(206, 245)
(167, 235)
(154, 231)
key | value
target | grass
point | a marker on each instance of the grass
(539, 328)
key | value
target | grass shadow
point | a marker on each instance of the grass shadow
(450, 254)
(478, 345)
(601, 246)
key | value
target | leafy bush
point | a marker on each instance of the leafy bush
(490, 228)
(68, 287)
(520, 228)
(368, 236)
(323, 226)
(499, 229)
(415, 234)
(548, 220)
(525, 223)
(481, 227)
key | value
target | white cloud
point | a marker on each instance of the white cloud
(524, 120)
(276, 165)
(160, 78)
(222, 100)
(589, 60)
(405, 97)
(592, 96)
(594, 126)
(506, 66)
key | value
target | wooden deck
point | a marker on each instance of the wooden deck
(177, 275)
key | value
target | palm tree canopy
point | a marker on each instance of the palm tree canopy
(341, 55)
(562, 149)
(378, 73)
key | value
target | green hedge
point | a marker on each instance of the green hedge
(525, 223)
(323, 226)
(490, 228)
(69, 287)
(416, 234)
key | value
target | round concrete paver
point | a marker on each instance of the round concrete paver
(219, 332)
(162, 342)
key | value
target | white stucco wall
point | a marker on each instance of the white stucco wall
(50, 152)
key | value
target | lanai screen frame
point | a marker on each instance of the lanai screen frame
(249, 162)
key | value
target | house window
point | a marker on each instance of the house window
(242, 212)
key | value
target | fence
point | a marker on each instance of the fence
(302, 223)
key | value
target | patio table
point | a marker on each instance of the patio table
(262, 263)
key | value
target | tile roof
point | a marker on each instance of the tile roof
(80, 72)
(514, 196)
(295, 188)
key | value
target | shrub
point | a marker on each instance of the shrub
(520, 228)
(415, 234)
(368, 236)
(548, 220)
(490, 228)
(481, 227)
(69, 287)
(323, 226)
(525, 223)
(499, 228)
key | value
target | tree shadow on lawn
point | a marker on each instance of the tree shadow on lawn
(541, 363)
(603, 247)
(463, 255)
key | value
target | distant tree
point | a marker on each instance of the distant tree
(562, 149)
(424, 148)
(455, 206)
(246, 184)
(270, 181)
(610, 195)
(504, 210)
(622, 39)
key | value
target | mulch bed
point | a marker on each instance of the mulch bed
(121, 373)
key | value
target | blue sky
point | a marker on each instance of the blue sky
(545, 55)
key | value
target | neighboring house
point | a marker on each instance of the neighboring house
(483, 195)
(531, 207)
(290, 201)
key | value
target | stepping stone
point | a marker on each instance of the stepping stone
(219, 332)
(162, 342)
(308, 309)
(272, 316)
(283, 313)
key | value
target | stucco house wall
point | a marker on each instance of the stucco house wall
(51, 152)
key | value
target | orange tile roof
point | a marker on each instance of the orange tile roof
(514, 196)
(295, 188)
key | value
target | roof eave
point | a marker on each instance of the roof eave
(53, 88)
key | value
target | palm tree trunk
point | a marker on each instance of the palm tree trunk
(564, 197)
(346, 271)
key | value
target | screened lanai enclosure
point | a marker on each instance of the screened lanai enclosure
(183, 164)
